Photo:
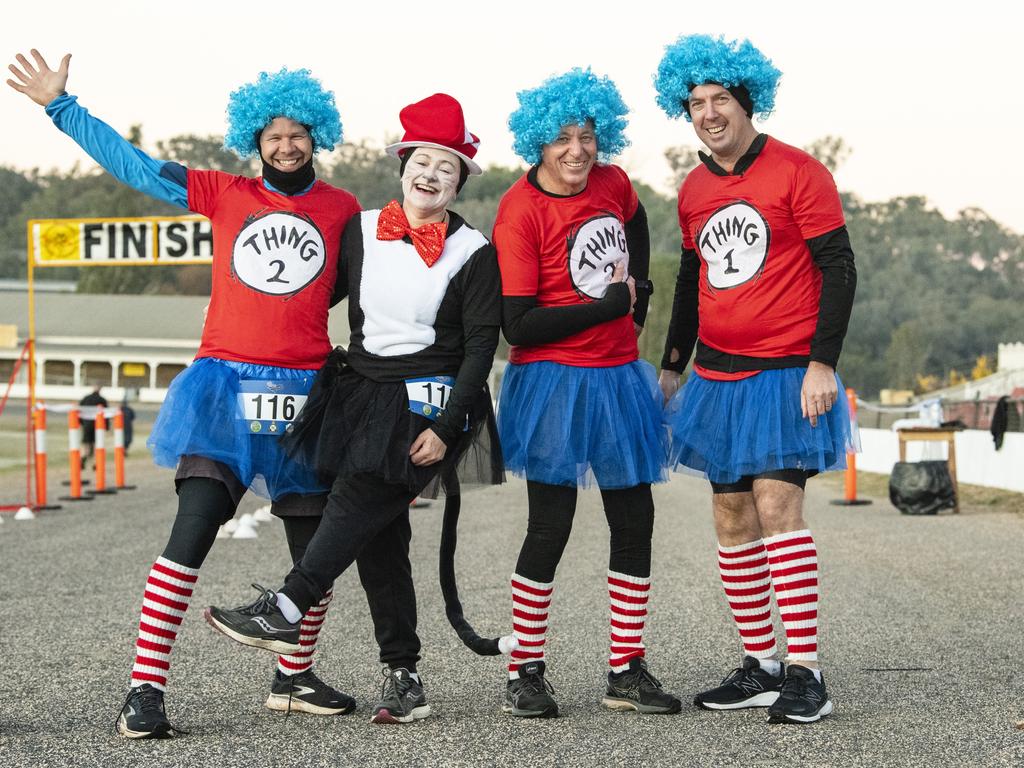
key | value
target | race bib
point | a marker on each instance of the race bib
(429, 395)
(270, 405)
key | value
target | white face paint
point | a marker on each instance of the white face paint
(429, 183)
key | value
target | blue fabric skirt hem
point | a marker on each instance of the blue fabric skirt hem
(201, 416)
(576, 426)
(732, 429)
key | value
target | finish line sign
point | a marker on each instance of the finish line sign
(123, 242)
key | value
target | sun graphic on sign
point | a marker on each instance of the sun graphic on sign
(58, 242)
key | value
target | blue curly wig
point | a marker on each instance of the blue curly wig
(573, 98)
(699, 59)
(294, 94)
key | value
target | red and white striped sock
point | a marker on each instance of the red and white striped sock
(530, 603)
(794, 564)
(746, 577)
(168, 593)
(309, 631)
(628, 598)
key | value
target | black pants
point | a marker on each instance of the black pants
(205, 504)
(366, 521)
(630, 515)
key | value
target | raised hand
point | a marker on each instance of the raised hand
(38, 81)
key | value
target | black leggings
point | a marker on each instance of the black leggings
(630, 515)
(204, 505)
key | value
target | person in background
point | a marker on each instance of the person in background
(93, 399)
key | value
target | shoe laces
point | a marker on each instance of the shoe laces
(148, 700)
(645, 679)
(299, 678)
(267, 600)
(743, 679)
(536, 683)
(393, 684)
(793, 687)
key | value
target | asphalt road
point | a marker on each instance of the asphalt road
(922, 636)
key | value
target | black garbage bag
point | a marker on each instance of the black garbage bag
(921, 487)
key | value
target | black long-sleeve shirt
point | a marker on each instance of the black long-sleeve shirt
(526, 324)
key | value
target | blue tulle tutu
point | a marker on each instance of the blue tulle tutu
(731, 429)
(571, 425)
(201, 416)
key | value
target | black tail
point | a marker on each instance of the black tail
(484, 646)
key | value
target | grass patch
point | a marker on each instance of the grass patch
(975, 498)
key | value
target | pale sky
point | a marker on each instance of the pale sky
(925, 93)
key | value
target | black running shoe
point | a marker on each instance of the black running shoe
(305, 692)
(746, 686)
(638, 690)
(143, 715)
(402, 698)
(530, 695)
(803, 698)
(260, 624)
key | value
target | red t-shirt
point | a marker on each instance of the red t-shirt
(275, 259)
(759, 287)
(562, 250)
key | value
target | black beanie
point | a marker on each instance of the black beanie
(739, 92)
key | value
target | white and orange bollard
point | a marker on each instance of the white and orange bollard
(75, 457)
(39, 425)
(850, 480)
(119, 482)
(100, 456)
(39, 428)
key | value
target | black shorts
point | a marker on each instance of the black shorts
(289, 505)
(745, 484)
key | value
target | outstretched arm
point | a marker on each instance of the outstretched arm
(125, 162)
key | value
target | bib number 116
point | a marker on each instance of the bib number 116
(272, 407)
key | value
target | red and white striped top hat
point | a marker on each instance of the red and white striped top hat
(437, 121)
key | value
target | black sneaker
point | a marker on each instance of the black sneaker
(530, 695)
(260, 624)
(402, 698)
(746, 686)
(638, 690)
(305, 692)
(143, 715)
(803, 698)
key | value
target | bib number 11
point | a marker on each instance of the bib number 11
(428, 396)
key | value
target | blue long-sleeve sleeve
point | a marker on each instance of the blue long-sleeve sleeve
(127, 163)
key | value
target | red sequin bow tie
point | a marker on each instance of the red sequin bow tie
(428, 239)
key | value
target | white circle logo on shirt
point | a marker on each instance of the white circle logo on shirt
(734, 244)
(278, 253)
(594, 250)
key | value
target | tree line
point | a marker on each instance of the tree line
(934, 295)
